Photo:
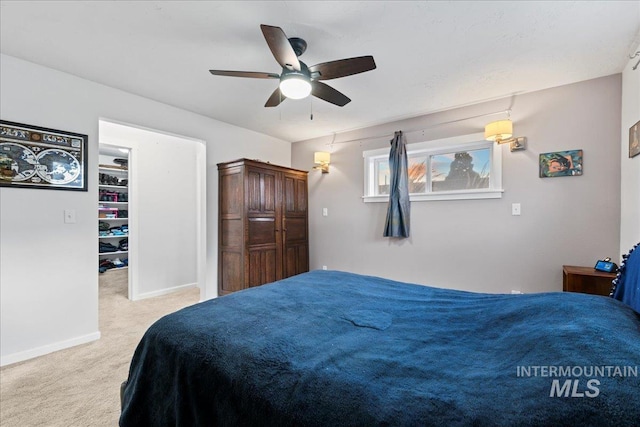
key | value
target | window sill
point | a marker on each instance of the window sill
(442, 195)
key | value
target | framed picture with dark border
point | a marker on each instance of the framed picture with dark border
(634, 140)
(37, 157)
(561, 163)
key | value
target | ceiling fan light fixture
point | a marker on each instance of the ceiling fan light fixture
(295, 86)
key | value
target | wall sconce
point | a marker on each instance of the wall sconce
(322, 159)
(502, 133)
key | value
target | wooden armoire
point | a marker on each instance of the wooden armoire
(262, 224)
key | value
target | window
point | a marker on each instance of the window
(466, 167)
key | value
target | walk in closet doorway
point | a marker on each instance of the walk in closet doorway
(165, 246)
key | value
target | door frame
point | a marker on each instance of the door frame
(201, 205)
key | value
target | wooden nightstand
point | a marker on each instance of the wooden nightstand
(586, 280)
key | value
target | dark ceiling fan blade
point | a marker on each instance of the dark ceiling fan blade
(280, 47)
(275, 99)
(329, 94)
(343, 67)
(251, 74)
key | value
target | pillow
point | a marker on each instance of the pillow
(626, 285)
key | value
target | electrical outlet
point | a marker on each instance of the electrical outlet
(515, 209)
(324, 267)
(325, 212)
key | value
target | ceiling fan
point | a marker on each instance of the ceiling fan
(297, 80)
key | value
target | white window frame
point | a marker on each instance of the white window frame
(435, 147)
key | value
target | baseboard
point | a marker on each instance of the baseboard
(163, 291)
(46, 349)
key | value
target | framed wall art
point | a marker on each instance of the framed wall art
(561, 163)
(634, 140)
(36, 157)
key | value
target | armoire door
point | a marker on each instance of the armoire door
(263, 237)
(294, 224)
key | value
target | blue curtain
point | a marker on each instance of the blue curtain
(398, 214)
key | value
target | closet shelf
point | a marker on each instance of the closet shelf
(115, 187)
(113, 253)
(113, 168)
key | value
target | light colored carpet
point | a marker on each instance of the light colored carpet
(80, 386)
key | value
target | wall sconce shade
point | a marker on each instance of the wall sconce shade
(498, 131)
(501, 132)
(322, 159)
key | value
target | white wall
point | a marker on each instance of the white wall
(478, 245)
(48, 280)
(629, 167)
(164, 207)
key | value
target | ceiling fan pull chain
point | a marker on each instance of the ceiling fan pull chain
(311, 107)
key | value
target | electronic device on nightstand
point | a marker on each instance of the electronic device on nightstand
(606, 265)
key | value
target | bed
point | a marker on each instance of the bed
(331, 348)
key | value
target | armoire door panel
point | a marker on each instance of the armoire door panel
(231, 232)
(290, 255)
(295, 229)
(231, 194)
(231, 271)
(262, 267)
(253, 192)
(295, 194)
(261, 191)
(289, 194)
(296, 260)
(269, 193)
(303, 258)
(301, 195)
(262, 231)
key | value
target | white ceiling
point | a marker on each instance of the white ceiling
(430, 55)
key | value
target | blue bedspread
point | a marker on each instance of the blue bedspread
(329, 348)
